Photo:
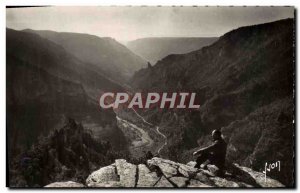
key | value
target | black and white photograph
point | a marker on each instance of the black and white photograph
(150, 97)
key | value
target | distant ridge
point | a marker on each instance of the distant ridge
(104, 54)
(155, 48)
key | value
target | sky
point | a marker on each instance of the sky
(130, 23)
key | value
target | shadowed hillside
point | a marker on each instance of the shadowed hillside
(45, 84)
(105, 55)
(245, 85)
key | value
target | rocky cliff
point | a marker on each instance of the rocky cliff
(162, 173)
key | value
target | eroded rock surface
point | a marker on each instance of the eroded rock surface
(158, 172)
(104, 176)
(68, 184)
(146, 178)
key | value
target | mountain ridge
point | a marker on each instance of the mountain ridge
(105, 54)
(45, 84)
(154, 49)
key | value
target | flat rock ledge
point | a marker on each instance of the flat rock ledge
(162, 173)
(68, 184)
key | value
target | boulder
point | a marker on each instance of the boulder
(146, 178)
(260, 178)
(103, 176)
(202, 177)
(108, 184)
(196, 184)
(127, 173)
(163, 183)
(187, 171)
(213, 169)
(168, 168)
(68, 184)
(180, 182)
(222, 182)
(191, 164)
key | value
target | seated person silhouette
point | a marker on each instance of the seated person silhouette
(215, 154)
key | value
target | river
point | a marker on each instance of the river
(143, 133)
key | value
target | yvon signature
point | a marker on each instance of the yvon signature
(271, 166)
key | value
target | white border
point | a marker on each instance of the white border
(3, 3)
(152, 2)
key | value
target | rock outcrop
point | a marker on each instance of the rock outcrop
(158, 172)
(66, 154)
(68, 184)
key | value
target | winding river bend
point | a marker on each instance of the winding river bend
(166, 141)
(145, 139)
(157, 131)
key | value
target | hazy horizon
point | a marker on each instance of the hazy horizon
(130, 23)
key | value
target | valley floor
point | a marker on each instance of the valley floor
(143, 136)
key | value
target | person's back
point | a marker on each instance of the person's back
(215, 153)
(219, 153)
